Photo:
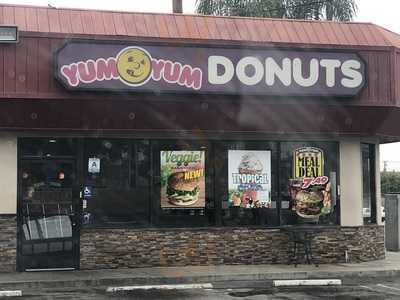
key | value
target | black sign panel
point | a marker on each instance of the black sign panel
(204, 69)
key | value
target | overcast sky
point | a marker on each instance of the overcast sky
(382, 12)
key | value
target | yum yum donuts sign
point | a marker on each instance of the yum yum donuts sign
(138, 67)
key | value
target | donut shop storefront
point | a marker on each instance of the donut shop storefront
(132, 148)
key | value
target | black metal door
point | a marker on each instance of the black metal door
(48, 215)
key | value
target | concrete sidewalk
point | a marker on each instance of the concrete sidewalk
(349, 273)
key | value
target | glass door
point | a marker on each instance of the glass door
(48, 214)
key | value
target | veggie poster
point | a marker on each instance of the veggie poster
(249, 178)
(182, 179)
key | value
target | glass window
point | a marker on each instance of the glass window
(368, 173)
(45, 174)
(308, 176)
(116, 188)
(182, 185)
(140, 165)
(112, 160)
(246, 183)
(47, 147)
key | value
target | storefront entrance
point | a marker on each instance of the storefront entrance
(48, 207)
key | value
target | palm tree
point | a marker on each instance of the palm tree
(338, 10)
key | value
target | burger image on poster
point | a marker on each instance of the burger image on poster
(181, 191)
(309, 205)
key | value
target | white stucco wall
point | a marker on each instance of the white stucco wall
(350, 183)
(8, 175)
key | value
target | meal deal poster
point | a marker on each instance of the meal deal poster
(310, 190)
(308, 162)
(249, 178)
(182, 179)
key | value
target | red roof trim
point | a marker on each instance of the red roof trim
(194, 27)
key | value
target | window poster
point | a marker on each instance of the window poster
(311, 197)
(249, 178)
(308, 162)
(310, 190)
(182, 179)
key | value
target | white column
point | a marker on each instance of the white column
(8, 175)
(351, 183)
(378, 185)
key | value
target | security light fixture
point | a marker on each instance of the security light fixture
(8, 34)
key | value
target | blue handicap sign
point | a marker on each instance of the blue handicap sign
(87, 192)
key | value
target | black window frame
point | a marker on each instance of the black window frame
(182, 217)
(334, 161)
(368, 156)
(262, 216)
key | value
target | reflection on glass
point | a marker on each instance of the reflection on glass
(48, 228)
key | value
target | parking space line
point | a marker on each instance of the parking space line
(162, 287)
(305, 282)
(388, 287)
(382, 289)
(367, 287)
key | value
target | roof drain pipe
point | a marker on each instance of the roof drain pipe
(177, 6)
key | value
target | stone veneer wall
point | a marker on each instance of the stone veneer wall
(8, 243)
(128, 248)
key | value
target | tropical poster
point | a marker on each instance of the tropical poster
(249, 178)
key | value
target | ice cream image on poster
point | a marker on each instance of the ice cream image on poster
(134, 66)
(249, 178)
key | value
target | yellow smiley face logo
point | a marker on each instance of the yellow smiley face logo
(134, 66)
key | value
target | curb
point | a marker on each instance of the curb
(347, 277)
(11, 293)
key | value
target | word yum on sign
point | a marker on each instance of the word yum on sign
(308, 162)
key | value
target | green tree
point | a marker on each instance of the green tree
(390, 182)
(338, 10)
